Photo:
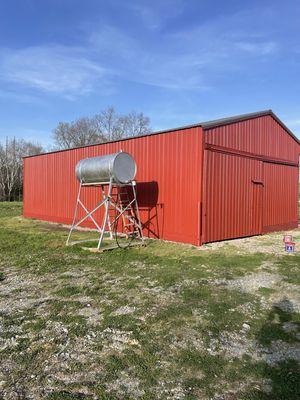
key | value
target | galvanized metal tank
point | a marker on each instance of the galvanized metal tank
(120, 166)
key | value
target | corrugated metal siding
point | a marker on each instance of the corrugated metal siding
(280, 197)
(169, 164)
(244, 193)
(231, 198)
(261, 136)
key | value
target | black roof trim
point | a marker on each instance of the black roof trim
(243, 117)
(205, 125)
(179, 128)
(236, 118)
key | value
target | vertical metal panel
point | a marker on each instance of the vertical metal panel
(262, 136)
(232, 206)
(168, 163)
(257, 207)
(280, 197)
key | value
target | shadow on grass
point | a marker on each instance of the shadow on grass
(284, 376)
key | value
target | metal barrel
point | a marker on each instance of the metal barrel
(120, 167)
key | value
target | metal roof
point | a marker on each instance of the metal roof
(235, 118)
(205, 125)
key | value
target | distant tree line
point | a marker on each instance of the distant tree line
(103, 127)
(11, 167)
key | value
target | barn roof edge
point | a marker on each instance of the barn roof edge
(205, 125)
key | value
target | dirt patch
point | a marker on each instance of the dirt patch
(117, 340)
(124, 310)
(125, 385)
(268, 244)
(290, 327)
(235, 389)
(186, 338)
(159, 299)
(169, 390)
(137, 264)
(287, 297)
(93, 315)
(281, 351)
(20, 293)
(237, 344)
(251, 283)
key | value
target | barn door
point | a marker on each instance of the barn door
(233, 193)
(280, 197)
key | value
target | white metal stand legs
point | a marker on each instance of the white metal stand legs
(120, 216)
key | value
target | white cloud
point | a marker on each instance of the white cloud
(258, 48)
(19, 97)
(53, 69)
(112, 43)
(155, 14)
(187, 59)
(158, 64)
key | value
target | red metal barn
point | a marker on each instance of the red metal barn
(211, 181)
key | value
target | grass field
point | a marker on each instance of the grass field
(166, 321)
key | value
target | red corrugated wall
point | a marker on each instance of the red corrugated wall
(251, 179)
(169, 183)
(262, 136)
(280, 197)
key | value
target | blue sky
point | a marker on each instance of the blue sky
(178, 61)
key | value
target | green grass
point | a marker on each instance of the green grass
(266, 291)
(273, 329)
(137, 323)
(64, 395)
(289, 267)
(68, 291)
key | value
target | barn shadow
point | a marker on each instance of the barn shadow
(279, 369)
(152, 212)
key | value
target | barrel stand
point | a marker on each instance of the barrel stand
(111, 200)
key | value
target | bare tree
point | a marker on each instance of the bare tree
(11, 163)
(77, 133)
(9, 170)
(115, 126)
(108, 124)
(29, 148)
(134, 124)
(105, 126)
(61, 135)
